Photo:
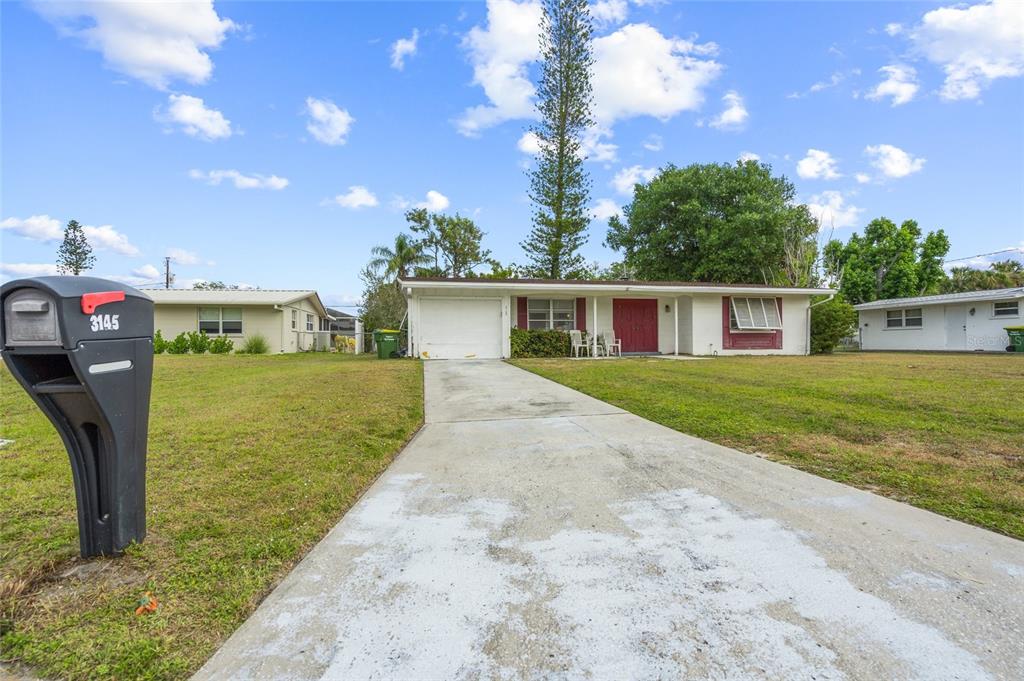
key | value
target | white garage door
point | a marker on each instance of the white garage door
(460, 328)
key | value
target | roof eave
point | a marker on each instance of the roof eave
(610, 287)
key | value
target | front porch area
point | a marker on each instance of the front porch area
(613, 324)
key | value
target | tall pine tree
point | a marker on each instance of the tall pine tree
(75, 254)
(559, 186)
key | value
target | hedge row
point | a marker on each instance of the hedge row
(540, 343)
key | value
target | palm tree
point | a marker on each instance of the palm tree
(397, 261)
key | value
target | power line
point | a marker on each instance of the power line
(983, 255)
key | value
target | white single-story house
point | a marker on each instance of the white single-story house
(473, 318)
(955, 321)
(291, 321)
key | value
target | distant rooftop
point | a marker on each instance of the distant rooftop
(966, 297)
(178, 296)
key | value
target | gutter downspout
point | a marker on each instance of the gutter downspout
(808, 346)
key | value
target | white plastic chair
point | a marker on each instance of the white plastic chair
(610, 343)
(576, 339)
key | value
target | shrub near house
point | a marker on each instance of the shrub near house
(539, 343)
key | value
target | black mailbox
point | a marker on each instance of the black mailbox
(83, 349)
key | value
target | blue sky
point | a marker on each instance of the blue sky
(274, 144)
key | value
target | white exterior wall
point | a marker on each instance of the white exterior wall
(172, 320)
(707, 326)
(686, 325)
(296, 340)
(938, 331)
(273, 324)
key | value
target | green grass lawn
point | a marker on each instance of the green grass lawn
(251, 460)
(943, 432)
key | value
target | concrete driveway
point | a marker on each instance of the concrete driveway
(529, 531)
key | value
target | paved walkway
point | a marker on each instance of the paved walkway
(529, 531)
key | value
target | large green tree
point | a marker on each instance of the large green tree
(889, 261)
(453, 242)
(75, 254)
(559, 185)
(383, 305)
(1003, 274)
(397, 261)
(716, 222)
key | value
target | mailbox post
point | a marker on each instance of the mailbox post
(83, 350)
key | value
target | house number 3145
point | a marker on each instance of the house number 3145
(104, 322)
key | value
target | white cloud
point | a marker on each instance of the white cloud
(640, 72)
(637, 71)
(831, 210)
(436, 201)
(147, 273)
(36, 227)
(817, 165)
(25, 269)
(862, 178)
(155, 42)
(609, 12)
(593, 149)
(529, 143)
(402, 48)
(45, 228)
(974, 45)
(748, 156)
(106, 238)
(654, 143)
(894, 28)
(500, 54)
(605, 209)
(735, 114)
(900, 84)
(184, 257)
(356, 197)
(328, 123)
(626, 178)
(833, 80)
(255, 181)
(195, 118)
(893, 161)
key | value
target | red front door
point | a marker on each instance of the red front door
(636, 323)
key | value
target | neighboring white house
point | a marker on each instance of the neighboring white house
(290, 320)
(954, 321)
(465, 318)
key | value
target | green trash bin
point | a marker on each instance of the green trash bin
(1016, 334)
(386, 341)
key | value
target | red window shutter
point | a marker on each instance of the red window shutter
(522, 319)
(581, 314)
(769, 340)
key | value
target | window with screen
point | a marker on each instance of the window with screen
(216, 321)
(551, 313)
(295, 319)
(1009, 308)
(911, 318)
(754, 314)
(209, 320)
(309, 322)
(231, 320)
